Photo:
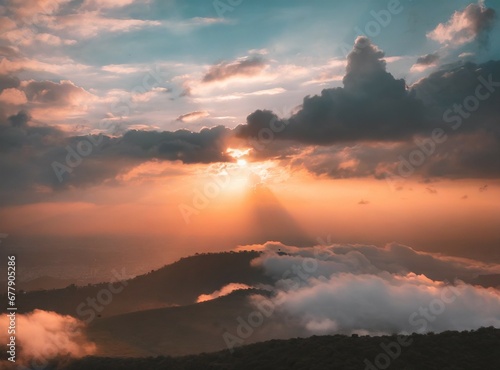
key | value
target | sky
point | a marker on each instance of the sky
(157, 129)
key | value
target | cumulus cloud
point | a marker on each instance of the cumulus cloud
(225, 290)
(244, 67)
(372, 105)
(49, 101)
(472, 23)
(371, 290)
(55, 94)
(373, 123)
(43, 335)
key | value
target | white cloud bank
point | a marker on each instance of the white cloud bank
(371, 290)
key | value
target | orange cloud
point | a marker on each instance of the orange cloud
(193, 116)
(13, 96)
(248, 66)
(464, 26)
(42, 335)
(225, 290)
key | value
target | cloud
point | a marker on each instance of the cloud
(8, 82)
(55, 94)
(243, 67)
(372, 105)
(193, 116)
(374, 122)
(207, 20)
(387, 304)
(121, 68)
(428, 59)
(431, 190)
(31, 11)
(6, 24)
(466, 55)
(368, 259)
(92, 23)
(107, 4)
(148, 95)
(43, 335)
(225, 290)
(50, 101)
(424, 62)
(29, 153)
(371, 290)
(60, 66)
(13, 96)
(274, 91)
(471, 24)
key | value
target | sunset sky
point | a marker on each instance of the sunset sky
(174, 127)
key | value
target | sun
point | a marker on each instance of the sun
(238, 155)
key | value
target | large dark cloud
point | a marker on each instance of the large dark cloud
(28, 154)
(349, 124)
(206, 146)
(372, 105)
(471, 144)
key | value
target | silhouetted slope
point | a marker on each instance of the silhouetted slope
(45, 283)
(476, 350)
(181, 330)
(177, 284)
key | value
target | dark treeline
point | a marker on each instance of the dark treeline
(450, 350)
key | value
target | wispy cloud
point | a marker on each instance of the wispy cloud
(193, 116)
